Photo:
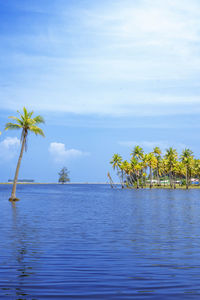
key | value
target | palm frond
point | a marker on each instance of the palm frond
(12, 126)
(25, 112)
(36, 130)
(30, 114)
(16, 119)
(29, 122)
(26, 123)
(21, 116)
(39, 120)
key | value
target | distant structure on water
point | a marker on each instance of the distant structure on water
(22, 180)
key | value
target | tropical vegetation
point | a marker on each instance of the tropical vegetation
(26, 123)
(63, 175)
(155, 169)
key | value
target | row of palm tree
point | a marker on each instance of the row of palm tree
(154, 169)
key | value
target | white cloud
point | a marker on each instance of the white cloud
(9, 148)
(60, 154)
(141, 58)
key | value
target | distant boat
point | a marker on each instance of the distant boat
(22, 180)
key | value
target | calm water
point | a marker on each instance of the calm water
(91, 242)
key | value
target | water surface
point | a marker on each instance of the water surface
(92, 242)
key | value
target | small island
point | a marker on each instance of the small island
(156, 171)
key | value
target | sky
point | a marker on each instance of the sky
(106, 75)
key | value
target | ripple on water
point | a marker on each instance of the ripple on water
(92, 242)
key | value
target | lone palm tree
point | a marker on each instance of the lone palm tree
(26, 123)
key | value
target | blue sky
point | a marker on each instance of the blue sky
(106, 75)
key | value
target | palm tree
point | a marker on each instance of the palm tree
(136, 167)
(26, 123)
(164, 170)
(171, 157)
(144, 168)
(157, 152)
(196, 168)
(138, 153)
(125, 169)
(152, 163)
(130, 173)
(137, 156)
(116, 163)
(187, 159)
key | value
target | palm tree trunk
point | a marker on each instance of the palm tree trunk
(158, 178)
(122, 176)
(186, 178)
(137, 181)
(144, 179)
(170, 179)
(126, 179)
(141, 177)
(150, 177)
(131, 179)
(174, 177)
(119, 173)
(13, 195)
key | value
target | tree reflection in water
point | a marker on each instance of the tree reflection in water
(24, 252)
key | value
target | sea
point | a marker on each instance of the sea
(89, 241)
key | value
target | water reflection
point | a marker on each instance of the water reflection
(92, 242)
(23, 256)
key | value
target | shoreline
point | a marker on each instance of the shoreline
(57, 183)
(102, 183)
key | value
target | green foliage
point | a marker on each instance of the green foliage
(64, 175)
(27, 124)
(161, 170)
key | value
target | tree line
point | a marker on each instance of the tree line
(154, 169)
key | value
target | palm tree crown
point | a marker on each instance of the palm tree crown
(137, 152)
(26, 123)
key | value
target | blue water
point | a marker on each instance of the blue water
(92, 242)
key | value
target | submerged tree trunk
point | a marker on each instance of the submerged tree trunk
(13, 195)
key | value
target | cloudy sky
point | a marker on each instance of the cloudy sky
(106, 75)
